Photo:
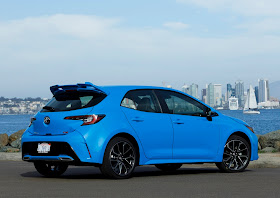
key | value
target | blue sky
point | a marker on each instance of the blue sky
(136, 42)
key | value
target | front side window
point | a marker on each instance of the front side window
(141, 100)
(180, 104)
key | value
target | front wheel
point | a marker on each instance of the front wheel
(236, 157)
(168, 167)
(119, 159)
(50, 169)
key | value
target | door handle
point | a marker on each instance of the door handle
(137, 119)
(178, 122)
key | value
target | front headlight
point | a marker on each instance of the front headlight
(250, 128)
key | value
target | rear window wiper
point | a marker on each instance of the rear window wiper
(49, 108)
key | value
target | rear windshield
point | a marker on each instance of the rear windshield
(73, 100)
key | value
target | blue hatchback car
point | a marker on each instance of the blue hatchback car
(117, 128)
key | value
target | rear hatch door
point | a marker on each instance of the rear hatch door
(68, 100)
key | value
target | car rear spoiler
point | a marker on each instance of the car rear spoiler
(87, 87)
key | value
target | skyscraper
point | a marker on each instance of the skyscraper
(203, 95)
(217, 95)
(239, 92)
(233, 92)
(228, 92)
(263, 90)
(194, 90)
(257, 93)
(186, 89)
(210, 95)
(191, 90)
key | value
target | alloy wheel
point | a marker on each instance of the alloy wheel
(122, 158)
(236, 155)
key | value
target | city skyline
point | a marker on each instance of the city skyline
(163, 84)
(213, 95)
(233, 98)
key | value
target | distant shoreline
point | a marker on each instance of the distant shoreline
(18, 114)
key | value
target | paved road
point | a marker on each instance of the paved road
(19, 179)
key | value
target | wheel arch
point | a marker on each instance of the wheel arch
(243, 135)
(240, 133)
(131, 139)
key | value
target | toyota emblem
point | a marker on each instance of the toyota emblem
(47, 120)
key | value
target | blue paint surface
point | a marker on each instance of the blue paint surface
(159, 137)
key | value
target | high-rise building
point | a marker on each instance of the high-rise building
(217, 95)
(191, 90)
(210, 95)
(203, 95)
(228, 92)
(257, 93)
(263, 90)
(194, 90)
(233, 92)
(239, 92)
(186, 89)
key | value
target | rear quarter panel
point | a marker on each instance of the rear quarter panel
(97, 136)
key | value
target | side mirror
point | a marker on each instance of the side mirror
(209, 115)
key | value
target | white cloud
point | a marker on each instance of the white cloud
(176, 25)
(60, 49)
(244, 7)
(74, 25)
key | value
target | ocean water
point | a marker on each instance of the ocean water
(267, 121)
(12, 123)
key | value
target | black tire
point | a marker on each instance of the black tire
(120, 159)
(237, 154)
(49, 169)
(168, 167)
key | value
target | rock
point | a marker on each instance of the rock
(269, 139)
(277, 146)
(16, 135)
(9, 149)
(12, 150)
(4, 139)
(259, 146)
(268, 149)
(263, 141)
(4, 148)
(16, 143)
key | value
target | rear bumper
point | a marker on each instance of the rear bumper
(64, 148)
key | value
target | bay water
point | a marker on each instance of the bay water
(267, 121)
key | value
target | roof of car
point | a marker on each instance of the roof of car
(131, 87)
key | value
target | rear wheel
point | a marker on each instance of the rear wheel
(236, 157)
(168, 167)
(50, 169)
(119, 159)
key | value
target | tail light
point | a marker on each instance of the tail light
(31, 121)
(87, 119)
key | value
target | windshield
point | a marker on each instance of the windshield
(73, 100)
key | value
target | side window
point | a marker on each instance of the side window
(141, 100)
(180, 104)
